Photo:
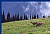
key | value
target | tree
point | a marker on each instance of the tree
(25, 17)
(8, 17)
(18, 16)
(37, 16)
(3, 17)
(43, 16)
(13, 18)
(48, 16)
(30, 16)
(34, 16)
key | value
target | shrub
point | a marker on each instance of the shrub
(30, 33)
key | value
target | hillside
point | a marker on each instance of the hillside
(24, 27)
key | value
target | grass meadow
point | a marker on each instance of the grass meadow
(24, 27)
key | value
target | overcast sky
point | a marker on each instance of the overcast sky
(25, 7)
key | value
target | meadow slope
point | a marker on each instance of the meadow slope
(24, 27)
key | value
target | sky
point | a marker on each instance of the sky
(27, 8)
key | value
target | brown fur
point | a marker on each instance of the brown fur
(37, 23)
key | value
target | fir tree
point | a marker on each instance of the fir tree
(34, 16)
(25, 17)
(3, 17)
(8, 17)
(18, 16)
(30, 16)
(37, 16)
(43, 16)
(13, 18)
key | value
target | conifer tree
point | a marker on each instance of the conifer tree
(8, 17)
(37, 16)
(34, 16)
(30, 16)
(13, 18)
(43, 16)
(18, 16)
(3, 17)
(25, 17)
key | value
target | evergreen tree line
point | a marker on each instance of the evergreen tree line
(13, 18)
(16, 17)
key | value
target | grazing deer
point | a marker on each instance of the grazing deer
(33, 23)
(37, 23)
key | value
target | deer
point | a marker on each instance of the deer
(37, 23)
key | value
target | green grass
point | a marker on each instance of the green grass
(24, 27)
